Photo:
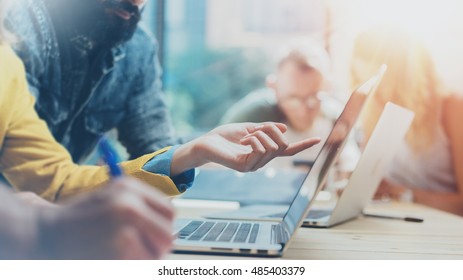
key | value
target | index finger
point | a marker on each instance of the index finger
(300, 146)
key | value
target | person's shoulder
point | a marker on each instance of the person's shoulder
(142, 43)
(257, 106)
(27, 19)
(32, 26)
(257, 100)
(141, 53)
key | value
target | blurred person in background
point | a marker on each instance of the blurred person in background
(428, 168)
(292, 94)
(296, 94)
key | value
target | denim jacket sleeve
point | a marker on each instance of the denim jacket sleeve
(146, 126)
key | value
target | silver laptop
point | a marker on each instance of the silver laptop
(384, 141)
(378, 153)
(268, 238)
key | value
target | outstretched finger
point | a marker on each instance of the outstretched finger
(300, 146)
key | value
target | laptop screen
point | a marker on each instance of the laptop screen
(328, 155)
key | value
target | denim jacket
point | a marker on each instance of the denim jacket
(123, 89)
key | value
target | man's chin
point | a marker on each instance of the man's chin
(121, 32)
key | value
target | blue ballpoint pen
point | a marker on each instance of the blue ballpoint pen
(110, 157)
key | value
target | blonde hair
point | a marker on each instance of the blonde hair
(410, 81)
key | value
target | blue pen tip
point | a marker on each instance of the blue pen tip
(110, 157)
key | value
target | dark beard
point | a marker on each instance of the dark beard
(104, 29)
(114, 29)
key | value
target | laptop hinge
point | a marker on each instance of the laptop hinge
(280, 235)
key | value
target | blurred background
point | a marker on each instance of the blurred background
(216, 51)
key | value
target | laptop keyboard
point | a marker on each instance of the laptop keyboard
(220, 231)
(243, 233)
(229, 232)
(198, 234)
(215, 232)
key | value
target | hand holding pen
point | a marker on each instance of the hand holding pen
(110, 157)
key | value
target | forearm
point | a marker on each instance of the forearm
(449, 202)
(185, 158)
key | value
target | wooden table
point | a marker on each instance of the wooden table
(440, 236)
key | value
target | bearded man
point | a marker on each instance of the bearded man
(92, 68)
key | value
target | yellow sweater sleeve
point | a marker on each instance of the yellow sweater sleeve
(32, 160)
